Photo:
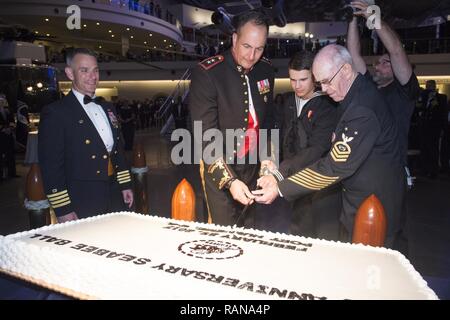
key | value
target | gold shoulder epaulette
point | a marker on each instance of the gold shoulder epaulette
(210, 62)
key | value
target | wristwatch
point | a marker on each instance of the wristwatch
(229, 182)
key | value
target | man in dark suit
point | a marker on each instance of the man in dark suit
(310, 118)
(433, 120)
(179, 113)
(233, 91)
(7, 141)
(80, 149)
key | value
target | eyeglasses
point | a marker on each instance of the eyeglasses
(328, 82)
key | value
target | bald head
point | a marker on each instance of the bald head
(333, 68)
(332, 57)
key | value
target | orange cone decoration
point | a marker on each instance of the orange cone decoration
(139, 156)
(183, 202)
(34, 191)
(34, 187)
(370, 223)
(139, 171)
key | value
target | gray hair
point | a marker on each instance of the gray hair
(333, 56)
(342, 56)
(71, 53)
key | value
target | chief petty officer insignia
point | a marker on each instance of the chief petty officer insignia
(341, 149)
(211, 62)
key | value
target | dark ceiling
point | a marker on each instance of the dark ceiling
(409, 12)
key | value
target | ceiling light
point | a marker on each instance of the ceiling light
(109, 31)
(154, 47)
(128, 29)
(47, 19)
(99, 47)
(98, 23)
(48, 34)
(311, 36)
(131, 37)
(151, 35)
(30, 88)
(84, 25)
(39, 85)
(307, 34)
(36, 32)
(112, 36)
(145, 42)
(165, 40)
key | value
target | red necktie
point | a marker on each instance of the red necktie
(251, 137)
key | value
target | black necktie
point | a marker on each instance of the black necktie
(97, 100)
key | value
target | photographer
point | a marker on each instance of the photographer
(396, 82)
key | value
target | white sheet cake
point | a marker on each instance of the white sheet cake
(130, 256)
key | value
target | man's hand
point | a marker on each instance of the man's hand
(267, 181)
(241, 193)
(266, 195)
(68, 217)
(269, 164)
(128, 197)
(362, 9)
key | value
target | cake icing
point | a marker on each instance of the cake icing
(130, 256)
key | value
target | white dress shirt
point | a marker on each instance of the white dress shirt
(251, 108)
(98, 117)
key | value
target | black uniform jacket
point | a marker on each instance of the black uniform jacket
(70, 149)
(365, 155)
(219, 98)
(307, 137)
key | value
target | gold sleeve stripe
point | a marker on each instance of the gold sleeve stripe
(321, 175)
(312, 176)
(53, 195)
(123, 178)
(305, 184)
(124, 181)
(312, 182)
(122, 172)
(124, 175)
(61, 204)
(66, 195)
(59, 201)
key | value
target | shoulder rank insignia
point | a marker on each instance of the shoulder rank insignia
(211, 62)
(341, 150)
(264, 59)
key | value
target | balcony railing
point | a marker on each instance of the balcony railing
(151, 8)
